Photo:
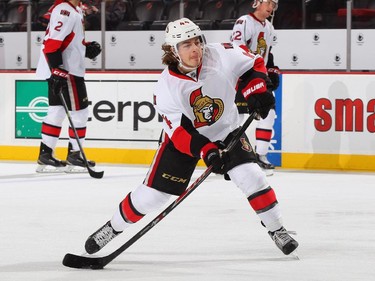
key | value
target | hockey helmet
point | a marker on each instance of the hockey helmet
(181, 30)
(256, 3)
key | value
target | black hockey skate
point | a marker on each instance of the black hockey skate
(284, 241)
(74, 160)
(100, 238)
(47, 163)
(265, 165)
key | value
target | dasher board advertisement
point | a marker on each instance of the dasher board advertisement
(120, 110)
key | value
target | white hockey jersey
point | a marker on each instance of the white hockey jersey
(65, 31)
(256, 35)
(204, 97)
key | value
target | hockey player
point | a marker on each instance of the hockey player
(62, 63)
(195, 95)
(256, 33)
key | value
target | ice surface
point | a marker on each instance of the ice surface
(212, 236)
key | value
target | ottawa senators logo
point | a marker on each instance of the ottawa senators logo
(206, 110)
(262, 45)
(245, 145)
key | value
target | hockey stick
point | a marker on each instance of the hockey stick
(94, 174)
(75, 261)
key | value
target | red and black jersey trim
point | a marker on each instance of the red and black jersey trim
(163, 143)
(53, 50)
(263, 200)
(54, 59)
(174, 71)
(263, 23)
(187, 139)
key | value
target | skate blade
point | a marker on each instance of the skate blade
(70, 169)
(48, 169)
(294, 255)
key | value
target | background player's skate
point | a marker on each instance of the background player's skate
(75, 162)
(266, 166)
(47, 163)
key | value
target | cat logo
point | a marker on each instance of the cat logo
(173, 178)
(206, 110)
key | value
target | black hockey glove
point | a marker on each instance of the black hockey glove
(213, 156)
(256, 91)
(261, 103)
(273, 74)
(93, 49)
(58, 80)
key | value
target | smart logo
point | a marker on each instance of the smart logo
(31, 108)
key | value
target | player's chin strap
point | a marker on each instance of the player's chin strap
(187, 68)
(182, 65)
(178, 58)
(272, 16)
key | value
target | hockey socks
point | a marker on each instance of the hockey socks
(125, 216)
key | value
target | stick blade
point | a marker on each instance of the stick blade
(82, 262)
(94, 174)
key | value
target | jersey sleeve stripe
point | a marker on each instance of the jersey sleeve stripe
(182, 140)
